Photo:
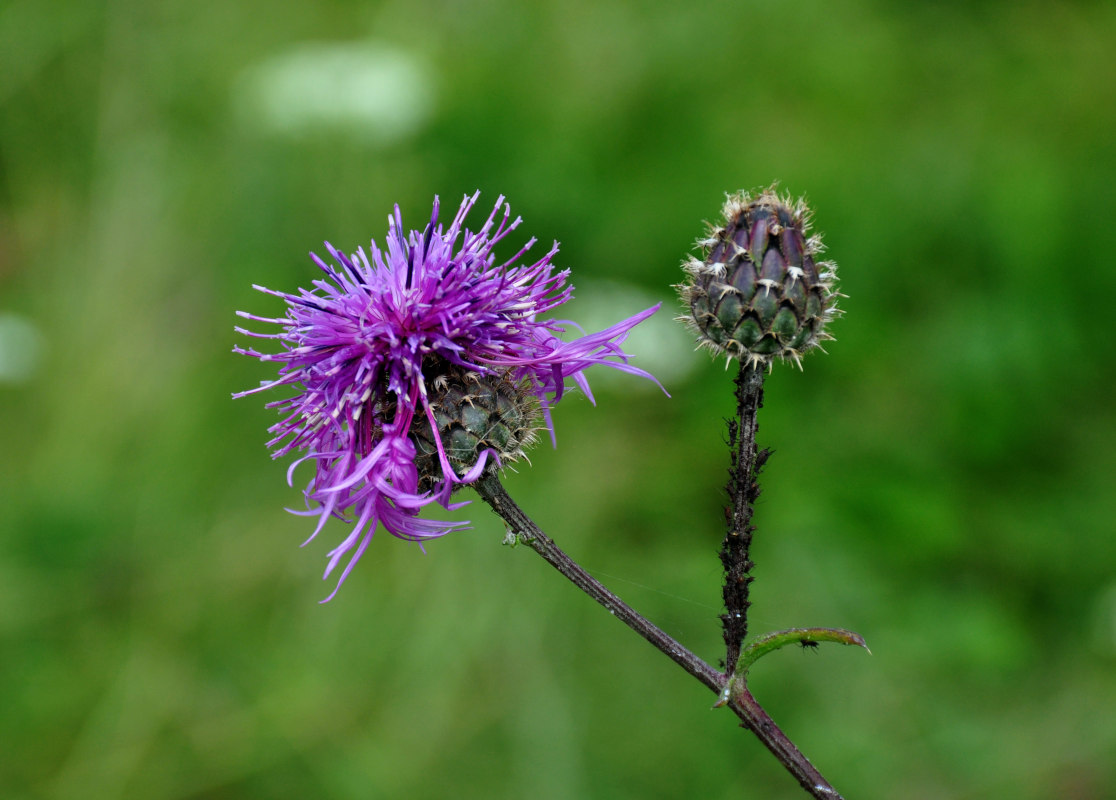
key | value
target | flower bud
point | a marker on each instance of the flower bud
(474, 413)
(758, 293)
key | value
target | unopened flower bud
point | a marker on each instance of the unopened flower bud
(474, 413)
(758, 291)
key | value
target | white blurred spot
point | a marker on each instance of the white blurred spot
(21, 346)
(659, 345)
(369, 89)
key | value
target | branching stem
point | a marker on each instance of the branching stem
(743, 704)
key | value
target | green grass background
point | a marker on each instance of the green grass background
(942, 481)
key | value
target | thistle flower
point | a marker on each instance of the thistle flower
(388, 349)
(758, 293)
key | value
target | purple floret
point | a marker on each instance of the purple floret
(361, 346)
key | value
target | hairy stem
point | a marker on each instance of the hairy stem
(743, 490)
(741, 701)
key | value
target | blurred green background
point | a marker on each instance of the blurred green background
(942, 481)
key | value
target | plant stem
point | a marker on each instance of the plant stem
(755, 719)
(743, 489)
(493, 493)
(743, 704)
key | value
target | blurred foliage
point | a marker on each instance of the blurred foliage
(942, 481)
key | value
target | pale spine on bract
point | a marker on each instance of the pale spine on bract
(758, 292)
(475, 413)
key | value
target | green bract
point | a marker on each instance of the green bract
(758, 293)
(474, 413)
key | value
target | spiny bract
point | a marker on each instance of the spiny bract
(475, 413)
(758, 293)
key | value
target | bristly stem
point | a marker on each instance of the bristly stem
(743, 490)
(741, 701)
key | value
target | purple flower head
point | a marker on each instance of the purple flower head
(363, 348)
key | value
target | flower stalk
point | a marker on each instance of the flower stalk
(528, 533)
(743, 490)
(734, 694)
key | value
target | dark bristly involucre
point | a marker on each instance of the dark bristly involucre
(759, 291)
(367, 349)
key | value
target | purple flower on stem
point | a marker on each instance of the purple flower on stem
(363, 348)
